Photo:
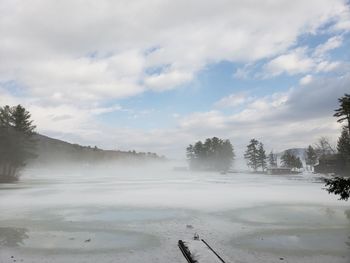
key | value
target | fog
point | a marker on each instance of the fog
(114, 213)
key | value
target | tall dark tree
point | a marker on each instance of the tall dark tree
(16, 141)
(298, 163)
(272, 159)
(343, 112)
(287, 159)
(22, 120)
(252, 154)
(6, 119)
(341, 186)
(343, 145)
(290, 160)
(262, 157)
(310, 156)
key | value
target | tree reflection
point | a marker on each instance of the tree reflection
(12, 237)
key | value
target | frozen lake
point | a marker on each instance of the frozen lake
(113, 214)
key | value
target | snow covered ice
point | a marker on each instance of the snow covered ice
(110, 213)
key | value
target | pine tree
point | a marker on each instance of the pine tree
(226, 155)
(290, 160)
(287, 159)
(297, 163)
(343, 146)
(262, 157)
(252, 155)
(213, 154)
(22, 122)
(16, 140)
(338, 185)
(310, 156)
(272, 159)
(7, 141)
(344, 111)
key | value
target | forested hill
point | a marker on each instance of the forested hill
(52, 150)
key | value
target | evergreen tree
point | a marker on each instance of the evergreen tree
(297, 163)
(7, 142)
(252, 154)
(290, 160)
(287, 159)
(262, 157)
(213, 154)
(6, 119)
(272, 159)
(341, 186)
(16, 141)
(343, 146)
(22, 120)
(310, 156)
(343, 113)
(226, 155)
(190, 152)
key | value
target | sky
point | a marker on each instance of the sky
(157, 75)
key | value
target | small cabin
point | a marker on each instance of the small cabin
(279, 170)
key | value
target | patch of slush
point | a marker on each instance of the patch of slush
(78, 241)
(300, 241)
(304, 215)
(120, 214)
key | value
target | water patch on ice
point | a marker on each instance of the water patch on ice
(298, 241)
(78, 241)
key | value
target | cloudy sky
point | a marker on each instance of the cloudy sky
(156, 75)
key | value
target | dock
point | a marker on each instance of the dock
(199, 251)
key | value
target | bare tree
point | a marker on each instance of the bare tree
(323, 147)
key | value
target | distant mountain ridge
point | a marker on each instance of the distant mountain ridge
(50, 150)
(300, 152)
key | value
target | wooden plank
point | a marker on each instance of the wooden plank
(199, 251)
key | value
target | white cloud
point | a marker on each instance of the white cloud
(242, 73)
(233, 100)
(331, 43)
(294, 62)
(343, 22)
(306, 80)
(327, 66)
(102, 50)
(70, 57)
(301, 60)
(167, 80)
(206, 121)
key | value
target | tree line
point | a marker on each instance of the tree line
(218, 154)
(213, 154)
(20, 144)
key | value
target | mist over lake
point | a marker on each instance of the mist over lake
(113, 213)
